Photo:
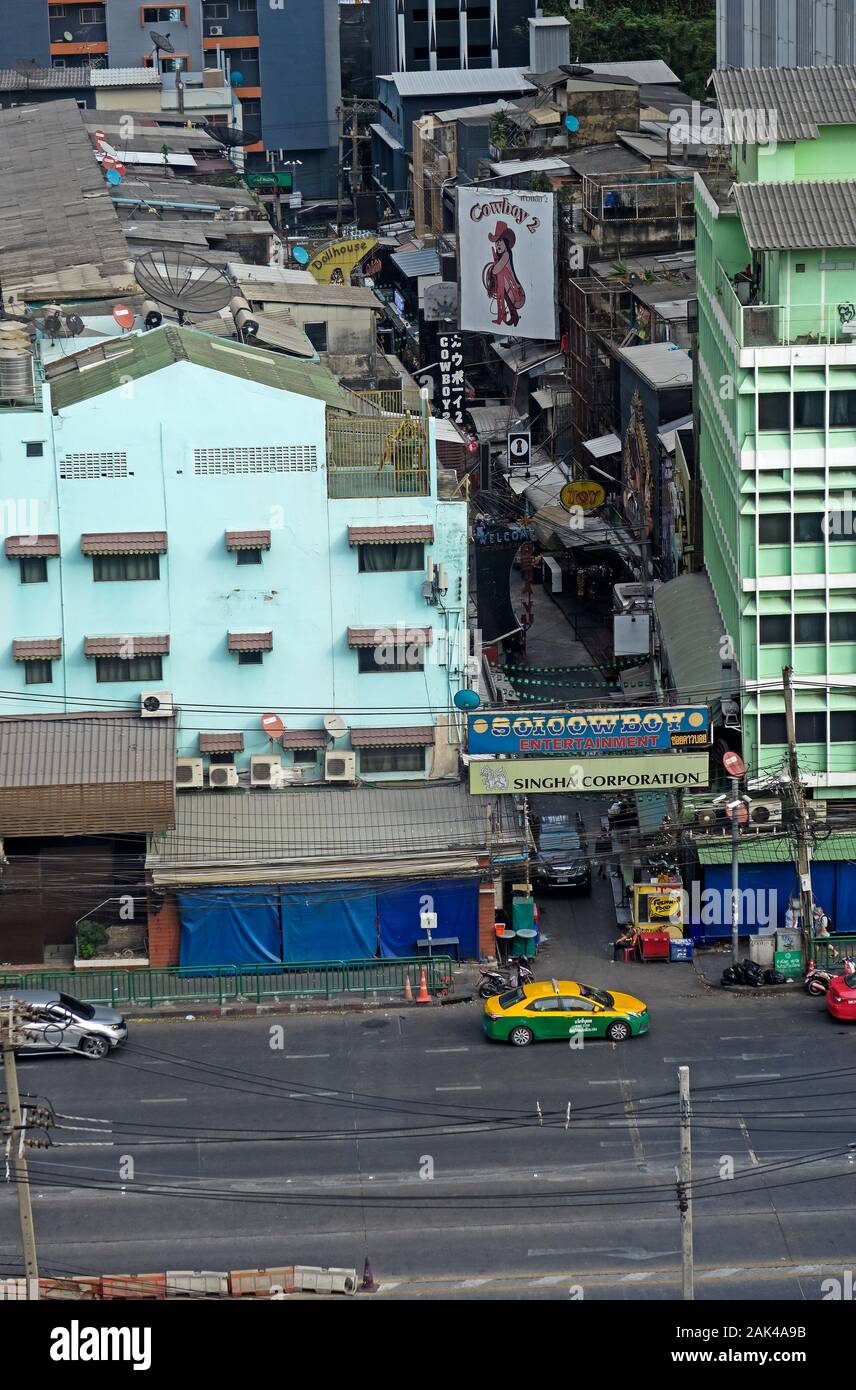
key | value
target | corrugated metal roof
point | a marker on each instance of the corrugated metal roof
(316, 824)
(773, 849)
(798, 216)
(646, 71)
(127, 647)
(385, 136)
(20, 547)
(249, 641)
(691, 626)
(384, 535)
(139, 354)
(60, 750)
(403, 737)
(37, 649)
(451, 81)
(259, 291)
(221, 743)
(123, 543)
(248, 540)
(659, 364)
(415, 263)
(800, 99)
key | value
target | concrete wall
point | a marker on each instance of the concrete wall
(300, 81)
(130, 42)
(24, 32)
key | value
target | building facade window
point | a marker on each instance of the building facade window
(774, 528)
(842, 627)
(38, 672)
(809, 528)
(34, 569)
(35, 449)
(250, 658)
(111, 568)
(842, 410)
(382, 660)
(809, 410)
(139, 669)
(392, 760)
(248, 556)
(305, 757)
(212, 10)
(775, 630)
(842, 726)
(246, 5)
(92, 14)
(317, 335)
(395, 556)
(164, 14)
(774, 411)
(810, 728)
(810, 627)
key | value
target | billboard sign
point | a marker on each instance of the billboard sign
(586, 732)
(644, 772)
(334, 264)
(507, 262)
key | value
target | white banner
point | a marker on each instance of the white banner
(507, 263)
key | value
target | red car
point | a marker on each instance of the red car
(841, 997)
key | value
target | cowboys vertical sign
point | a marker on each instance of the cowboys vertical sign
(507, 263)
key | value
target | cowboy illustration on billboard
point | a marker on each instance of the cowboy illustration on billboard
(500, 279)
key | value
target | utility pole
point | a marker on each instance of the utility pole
(803, 856)
(735, 870)
(17, 1151)
(340, 173)
(356, 168)
(685, 1177)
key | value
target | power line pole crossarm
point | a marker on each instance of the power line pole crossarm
(16, 1149)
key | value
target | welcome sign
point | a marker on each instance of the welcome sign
(587, 732)
(647, 772)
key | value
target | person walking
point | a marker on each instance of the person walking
(602, 849)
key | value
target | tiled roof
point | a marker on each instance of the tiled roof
(139, 354)
(798, 216)
(303, 738)
(795, 101)
(52, 78)
(249, 641)
(21, 547)
(126, 647)
(380, 634)
(124, 543)
(221, 743)
(37, 649)
(125, 77)
(420, 735)
(248, 540)
(385, 535)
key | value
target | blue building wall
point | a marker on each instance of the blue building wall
(24, 32)
(299, 71)
(307, 590)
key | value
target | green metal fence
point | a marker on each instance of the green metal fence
(222, 984)
(828, 952)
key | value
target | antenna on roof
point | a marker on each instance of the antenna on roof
(183, 282)
(163, 44)
(27, 68)
(229, 135)
(335, 725)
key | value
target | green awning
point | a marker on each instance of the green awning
(775, 849)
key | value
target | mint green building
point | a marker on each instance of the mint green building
(776, 249)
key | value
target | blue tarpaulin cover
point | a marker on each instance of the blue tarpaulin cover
(456, 905)
(315, 928)
(229, 926)
(833, 887)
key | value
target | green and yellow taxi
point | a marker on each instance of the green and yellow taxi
(563, 1009)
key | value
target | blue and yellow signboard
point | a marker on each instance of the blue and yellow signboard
(642, 730)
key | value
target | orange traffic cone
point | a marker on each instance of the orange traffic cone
(423, 997)
(368, 1285)
(408, 989)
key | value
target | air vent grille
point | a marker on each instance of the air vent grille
(285, 458)
(107, 465)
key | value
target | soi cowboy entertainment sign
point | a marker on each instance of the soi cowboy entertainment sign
(647, 772)
(591, 731)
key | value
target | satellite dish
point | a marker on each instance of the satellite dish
(272, 725)
(183, 282)
(734, 764)
(69, 37)
(229, 135)
(125, 317)
(53, 325)
(114, 177)
(162, 42)
(74, 324)
(301, 255)
(237, 79)
(467, 699)
(335, 725)
(572, 123)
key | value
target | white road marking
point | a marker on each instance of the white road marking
(723, 1273)
(457, 1088)
(634, 1278)
(84, 1144)
(162, 1100)
(304, 1056)
(551, 1279)
(382, 1288)
(603, 1083)
(311, 1095)
(744, 1130)
(473, 1283)
(758, 1076)
(447, 1049)
(736, 1037)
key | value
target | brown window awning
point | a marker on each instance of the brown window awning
(389, 535)
(420, 735)
(126, 647)
(248, 540)
(21, 547)
(303, 738)
(124, 543)
(38, 649)
(395, 633)
(249, 641)
(221, 743)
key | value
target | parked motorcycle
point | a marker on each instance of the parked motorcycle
(501, 981)
(817, 980)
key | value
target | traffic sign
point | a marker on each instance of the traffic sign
(519, 448)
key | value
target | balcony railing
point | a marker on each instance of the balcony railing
(617, 198)
(780, 325)
(379, 456)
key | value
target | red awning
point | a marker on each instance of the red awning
(124, 543)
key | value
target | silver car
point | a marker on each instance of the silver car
(64, 1024)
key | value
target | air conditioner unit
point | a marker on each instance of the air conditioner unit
(763, 812)
(215, 31)
(222, 775)
(156, 704)
(340, 767)
(815, 812)
(188, 773)
(265, 771)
